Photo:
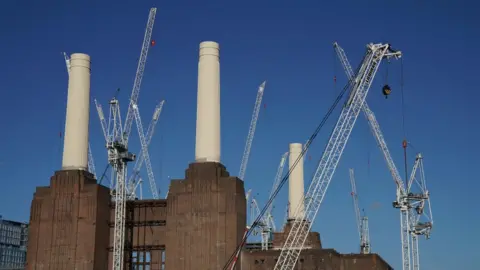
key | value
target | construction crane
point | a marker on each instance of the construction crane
(276, 183)
(117, 137)
(421, 217)
(251, 131)
(263, 226)
(145, 154)
(402, 192)
(118, 157)
(132, 183)
(91, 162)
(362, 220)
(139, 74)
(297, 236)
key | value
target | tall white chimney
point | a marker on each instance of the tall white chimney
(207, 147)
(295, 182)
(75, 145)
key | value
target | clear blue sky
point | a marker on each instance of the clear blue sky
(290, 45)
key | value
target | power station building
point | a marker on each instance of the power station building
(197, 227)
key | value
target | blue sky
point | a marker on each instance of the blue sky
(290, 45)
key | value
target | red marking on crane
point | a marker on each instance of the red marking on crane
(404, 143)
(352, 193)
(153, 42)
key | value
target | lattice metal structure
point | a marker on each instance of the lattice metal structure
(406, 198)
(332, 153)
(362, 220)
(251, 131)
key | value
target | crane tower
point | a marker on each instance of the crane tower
(316, 192)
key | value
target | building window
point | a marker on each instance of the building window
(141, 260)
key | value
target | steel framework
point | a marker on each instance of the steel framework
(316, 192)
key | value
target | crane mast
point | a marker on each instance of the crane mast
(362, 221)
(116, 137)
(251, 131)
(316, 192)
(263, 225)
(421, 218)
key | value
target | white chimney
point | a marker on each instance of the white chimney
(295, 183)
(75, 146)
(207, 147)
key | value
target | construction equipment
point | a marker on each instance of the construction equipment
(316, 192)
(251, 131)
(362, 220)
(263, 226)
(139, 161)
(116, 138)
(408, 219)
(276, 183)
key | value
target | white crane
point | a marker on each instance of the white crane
(421, 217)
(316, 192)
(263, 225)
(132, 183)
(251, 131)
(362, 220)
(91, 162)
(117, 146)
(402, 191)
(145, 155)
(276, 183)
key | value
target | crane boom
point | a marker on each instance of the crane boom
(331, 155)
(277, 180)
(146, 156)
(148, 139)
(251, 131)
(400, 186)
(139, 75)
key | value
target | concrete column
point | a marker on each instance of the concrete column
(75, 146)
(295, 184)
(207, 147)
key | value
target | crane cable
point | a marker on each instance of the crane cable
(285, 178)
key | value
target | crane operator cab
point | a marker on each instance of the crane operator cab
(386, 90)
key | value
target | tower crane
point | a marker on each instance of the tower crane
(117, 146)
(145, 154)
(91, 162)
(276, 183)
(140, 160)
(251, 131)
(362, 220)
(404, 197)
(421, 218)
(333, 151)
(263, 225)
(267, 224)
